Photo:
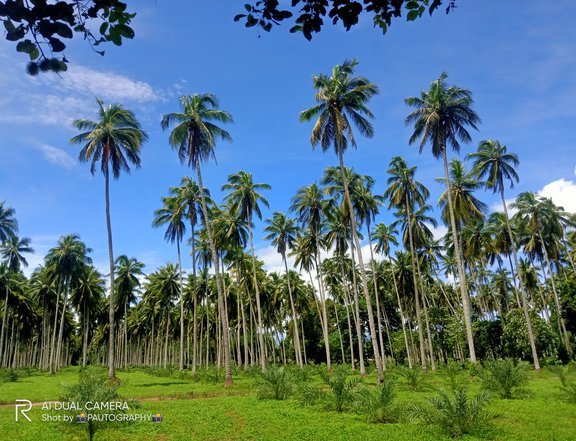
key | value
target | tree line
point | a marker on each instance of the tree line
(499, 284)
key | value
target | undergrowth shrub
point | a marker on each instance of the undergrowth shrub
(567, 387)
(342, 390)
(8, 375)
(414, 378)
(276, 383)
(507, 378)
(378, 405)
(455, 414)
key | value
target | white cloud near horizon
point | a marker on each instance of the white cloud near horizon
(562, 192)
(57, 156)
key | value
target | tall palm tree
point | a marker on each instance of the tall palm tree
(538, 217)
(309, 204)
(11, 250)
(282, 231)
(172, 215)
(194, 137)
(67, 261)
(128, 270)
(245, 198)
(189, 193)
(494, 163)
(87, 293)
(341, 101)
(404, 193)
(114, 141)
(441, 117)
(8, 223)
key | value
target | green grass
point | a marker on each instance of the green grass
(204, 411)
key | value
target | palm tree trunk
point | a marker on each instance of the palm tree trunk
(378, 316)
(357, 315)
(522, 287)
(294, 319)
(461, 273)
(347, 306)
(416, 285)
(408, 352)
(194, 304)
(85, 339)
(227, 361)
(373, 335)
(181, 307)
(259, 329)
(111, 368)
(556, 300)
(324, 312)
(4, 318)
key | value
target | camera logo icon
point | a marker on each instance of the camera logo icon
(81, 418)
(156, 418)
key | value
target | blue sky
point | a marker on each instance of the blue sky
(520, 63)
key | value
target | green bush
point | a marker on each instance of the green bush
(275, 383)
(8, 375)
(507, 378)
(309, 395)
(378, 406)
(567, 388)
(91, 388)
(455, 414)
(342, 391)
(453, 372)
(414, 378)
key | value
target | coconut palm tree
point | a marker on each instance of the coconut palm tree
(342, 100)
(113, 143)
(12, 250)
(404, 193)
(128, 270)
(172, 214)
(88, 292)
(194, 137)
(441, 117)
(66, 261)
(189, 193)
(245, 198)
(309, 205)
(494, 163)
(282, 231)
(538, 217)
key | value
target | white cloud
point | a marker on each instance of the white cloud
(497, 207)
(562, 192)
(107, 85)
(437, 232)
(56, 156)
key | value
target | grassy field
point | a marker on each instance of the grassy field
(205, 410)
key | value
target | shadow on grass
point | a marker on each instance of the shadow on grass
(170, 383)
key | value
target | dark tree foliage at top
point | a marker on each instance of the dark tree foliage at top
(311, 13)
(40, 28)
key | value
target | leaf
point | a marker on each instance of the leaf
(103, 27)
(238, 17)
(56, 44)
(412, 15)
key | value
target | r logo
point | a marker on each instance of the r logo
(26, 406)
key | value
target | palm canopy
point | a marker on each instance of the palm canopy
(68, 258)
(384, 235)
(282, 231)
(128, 270)
(441, 116)
(171, 214)
(196, 129)
(341, 99)
(115, 140)
(494, 163)
(12, 250)
(309, 204)
(244, 195)
(8, 223)
(467, 207)
(402, 187)
(189, 194)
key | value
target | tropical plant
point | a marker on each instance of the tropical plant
(456, 414)
(379, 405)
(441, 117)
(342, 390)
(507, 378)
(275, 383)
(342, 100)
(114, 141)
(194, 137)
